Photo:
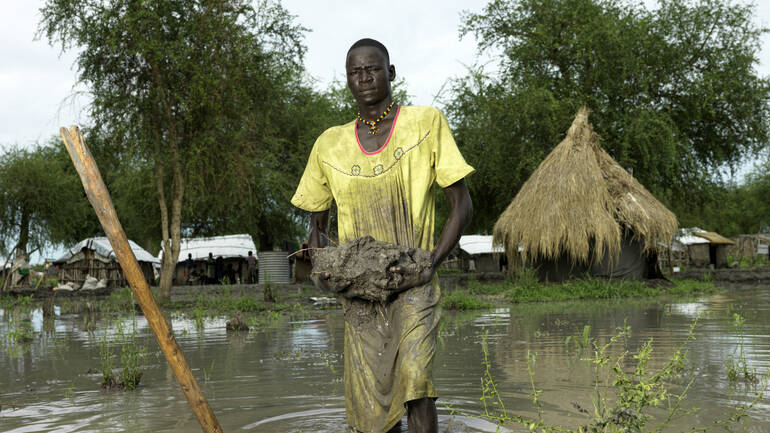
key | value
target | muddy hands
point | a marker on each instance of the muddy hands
(407, 276)
(369, 269)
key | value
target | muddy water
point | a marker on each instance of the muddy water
(286, 376)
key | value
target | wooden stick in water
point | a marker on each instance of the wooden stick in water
(102, 203)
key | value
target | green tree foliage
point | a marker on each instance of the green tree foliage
(739, 208)
(673, 93)
(42, 204)
(757, 209)
(131, 183)
(197, 90)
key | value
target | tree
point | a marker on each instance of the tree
(191, 87)
(41, 203)
(673, 92)
(741, 208)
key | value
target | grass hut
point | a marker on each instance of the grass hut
(95, 257)
(717, 248)
(701, 249)
(581, 213)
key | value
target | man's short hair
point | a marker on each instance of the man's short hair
(366, 42)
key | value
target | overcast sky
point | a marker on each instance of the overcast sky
(37, 82)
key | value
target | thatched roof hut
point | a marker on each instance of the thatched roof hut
(582, 211)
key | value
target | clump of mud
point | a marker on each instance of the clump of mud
(361, 268)
(236, 324)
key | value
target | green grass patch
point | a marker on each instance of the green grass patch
(464, 300)
(527, 288)
(759, 261)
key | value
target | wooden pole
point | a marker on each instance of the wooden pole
(102, 203)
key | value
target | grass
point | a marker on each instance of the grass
(526, 288)
(747, 263)
(464, 300)
(124, 345)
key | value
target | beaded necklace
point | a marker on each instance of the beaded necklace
(372, 124)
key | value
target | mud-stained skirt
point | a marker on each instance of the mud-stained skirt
(389, 351)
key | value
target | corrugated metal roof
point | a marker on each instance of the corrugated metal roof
(686, 236)
(102, 246)
(715, 238)
(225, 246)
(478, 244)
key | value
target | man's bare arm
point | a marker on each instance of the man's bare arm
(319, 238)
(319, 230)
(460, 215)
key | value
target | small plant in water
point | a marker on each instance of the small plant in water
(207, 372)
(634, 393)
(132, 357)
(68, 392)
(582, 342)
(736, 365)
(20, 332)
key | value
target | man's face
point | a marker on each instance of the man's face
(369, 75)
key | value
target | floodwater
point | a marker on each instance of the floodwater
(287, 376)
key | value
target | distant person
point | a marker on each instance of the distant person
(231, 272)
(189, 264)
(251, 261)
(210, 269)
(219, 269)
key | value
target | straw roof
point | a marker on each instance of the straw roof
(577, 197)
(715, 238)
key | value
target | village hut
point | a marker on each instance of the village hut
(717, 248)
(581, 213)
(94, 257)
(233, 251)
(478, 254)
(700, 249)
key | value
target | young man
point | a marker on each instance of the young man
(380, 170)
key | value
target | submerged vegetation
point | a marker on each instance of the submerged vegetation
(735, 364)
(639, 399)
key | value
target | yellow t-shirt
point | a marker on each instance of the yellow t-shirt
(387, 193)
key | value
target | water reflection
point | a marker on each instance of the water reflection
(289, 377)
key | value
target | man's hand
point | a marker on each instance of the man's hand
(325, 282)
(411, 279)
(321, 280)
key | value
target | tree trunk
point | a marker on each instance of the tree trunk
(23, 231)
(171, 230)
(168, 262)
(20, 256)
